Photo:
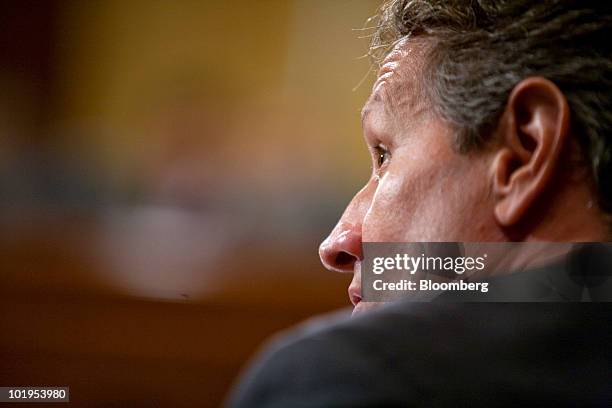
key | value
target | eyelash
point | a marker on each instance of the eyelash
(381, 156)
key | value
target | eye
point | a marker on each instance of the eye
(382, 155)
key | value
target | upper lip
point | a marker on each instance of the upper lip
(354, 295)
(354, 289)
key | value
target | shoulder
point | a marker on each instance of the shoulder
(414, 351)
(340, 361)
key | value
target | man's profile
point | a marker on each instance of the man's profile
(489, 121)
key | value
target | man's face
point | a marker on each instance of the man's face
(421, 189)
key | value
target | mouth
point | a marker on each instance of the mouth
(354, 293)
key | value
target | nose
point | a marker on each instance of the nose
(342, 248)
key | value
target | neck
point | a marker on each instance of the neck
(567, 212)
(573, 218)
(569, 215)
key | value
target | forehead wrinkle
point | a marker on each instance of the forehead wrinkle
(392, 93)
(398, 83)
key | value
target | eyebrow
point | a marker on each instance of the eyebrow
(364, 114)
(366, 110)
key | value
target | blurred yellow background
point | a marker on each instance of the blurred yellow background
(167, 171)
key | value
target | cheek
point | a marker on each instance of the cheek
(425, 201)
(397, 205)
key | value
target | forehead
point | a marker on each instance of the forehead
(397, 91)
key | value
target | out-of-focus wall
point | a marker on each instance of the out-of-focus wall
(167, 171)
(267, 84)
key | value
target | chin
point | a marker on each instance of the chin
(364, 307)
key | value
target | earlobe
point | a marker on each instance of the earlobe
(533, 130)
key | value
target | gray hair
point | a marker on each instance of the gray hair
(483, 48)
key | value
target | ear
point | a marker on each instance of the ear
(533, 128)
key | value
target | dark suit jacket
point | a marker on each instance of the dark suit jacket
(440, 354)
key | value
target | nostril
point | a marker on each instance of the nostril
(344, 259)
